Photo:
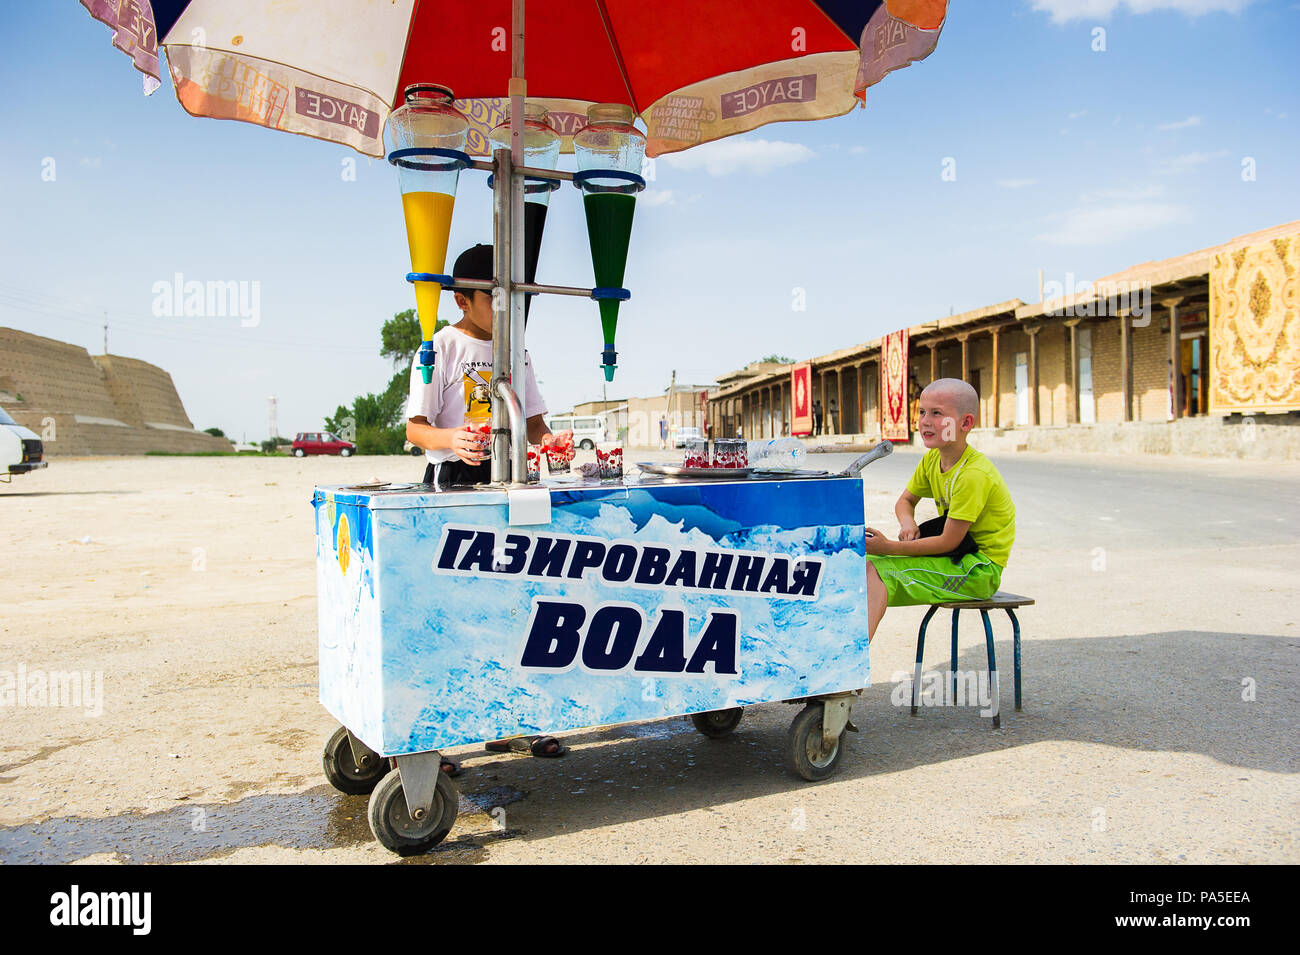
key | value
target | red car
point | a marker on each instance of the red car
(320, 442)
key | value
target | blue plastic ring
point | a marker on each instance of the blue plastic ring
(533, 185)
(458, 159)
(634, 182)
(618, 294)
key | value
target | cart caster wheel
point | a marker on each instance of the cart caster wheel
(806, 753)
(392, 823)
(341, 767)
(718, 723)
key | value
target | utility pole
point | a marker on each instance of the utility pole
(672, 386)
(272, 425)
(105, 331)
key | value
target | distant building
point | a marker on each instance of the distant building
(613, 411)
(102, 404)
(650, 417)
(1210, 334)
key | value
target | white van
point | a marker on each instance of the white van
(588, 430)
(20, 449)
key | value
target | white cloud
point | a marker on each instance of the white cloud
(93, 162)
(1137, 194)
(1077, 114)
(1017, 183)
(726, 156)
(1063, 11)
(1182, 123)
(1176, 164)
(656, 197)
(859, 150)
(1098, 225)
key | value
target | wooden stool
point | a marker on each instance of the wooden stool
(999, 601)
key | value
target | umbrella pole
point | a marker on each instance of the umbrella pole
(518, 90)
(501, 273)
(510, 452)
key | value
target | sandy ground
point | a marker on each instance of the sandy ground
(1160, 719)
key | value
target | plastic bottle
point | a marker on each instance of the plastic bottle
(777, 454)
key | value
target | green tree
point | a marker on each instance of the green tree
(400, 338)
(375, 423)
(215, 432)
(778, 359)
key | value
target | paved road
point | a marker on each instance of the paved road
(1161, 666)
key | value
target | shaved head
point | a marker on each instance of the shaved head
(954, 391)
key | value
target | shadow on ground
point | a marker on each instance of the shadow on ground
(1178, 691)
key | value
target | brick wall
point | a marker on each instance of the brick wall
(1106, 388)
(1053, 357)
(59, 383)
(980, 358)
(1150, 364)
(1009, 342)
(1151, 369)
(52, 375)
(142, 392)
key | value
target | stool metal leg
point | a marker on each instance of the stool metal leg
(1015, 636)
(920, 649)
(952, 667)
(993, 670)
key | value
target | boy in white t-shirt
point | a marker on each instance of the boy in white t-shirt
(436, 413)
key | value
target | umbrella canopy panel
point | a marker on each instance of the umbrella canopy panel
(693, 71)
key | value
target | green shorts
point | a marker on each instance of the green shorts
(911, 581)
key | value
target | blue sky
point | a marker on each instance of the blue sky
(1067, 159)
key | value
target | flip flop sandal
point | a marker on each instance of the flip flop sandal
(528, 746)
(540, 743)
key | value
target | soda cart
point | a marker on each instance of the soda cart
(473, 614)
(470, 615)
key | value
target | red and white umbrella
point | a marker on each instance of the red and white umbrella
(694, 71)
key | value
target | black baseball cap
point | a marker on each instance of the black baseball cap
(474, 263)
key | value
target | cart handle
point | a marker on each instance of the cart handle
(875, 454)
(518, 431)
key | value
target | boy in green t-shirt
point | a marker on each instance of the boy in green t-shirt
(969, 493)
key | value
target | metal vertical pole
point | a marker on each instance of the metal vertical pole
(509, 451)
(501, 274)
(518, 375)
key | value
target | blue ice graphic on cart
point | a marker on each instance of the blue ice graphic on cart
(441, 624)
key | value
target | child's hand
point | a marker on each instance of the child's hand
(465, 444)
(876, 542)
(908, 532)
